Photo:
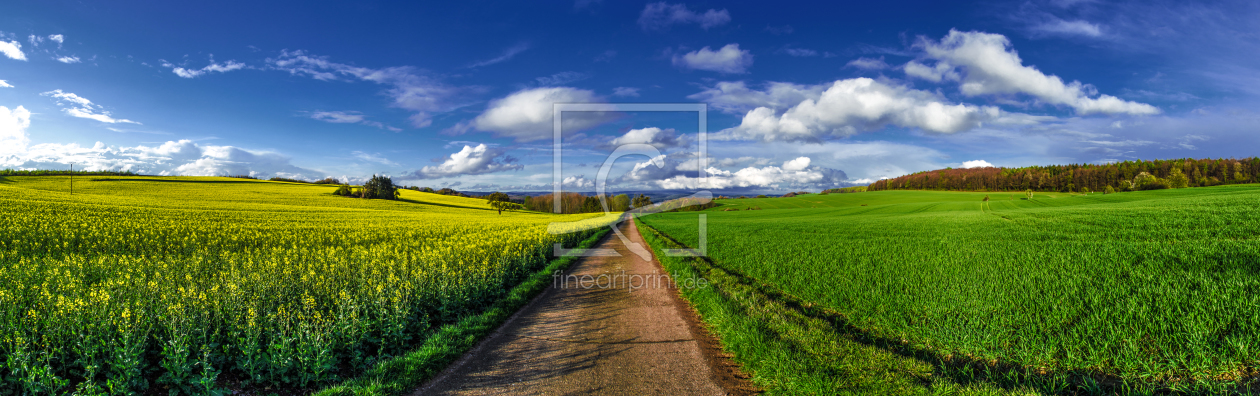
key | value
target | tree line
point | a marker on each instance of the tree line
(1118, 176)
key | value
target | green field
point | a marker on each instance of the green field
(1133, 291)
(193, 285)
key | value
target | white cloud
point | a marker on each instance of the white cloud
(736, 97)
(727, 60)
(626, 91)
(409, 89)
(68, 59)
(942, 71)
(78, 106)
(579, 181)
(349, 117)
(1069, 28)
(5, 84)
(798, 164)
(57, 37)
(526, 115)
(800, 52)
(374, 157)
(182, 157)
(992, 68)
(869, 63)
(470, 161)
(507, 54)
(657, 137)
(562, 78)
(12, 49)
(660, 16)
(13, 124)
(212, 67)
(977, 164)
(854, 105)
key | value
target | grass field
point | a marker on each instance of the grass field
(1133, 292)
(190, 284)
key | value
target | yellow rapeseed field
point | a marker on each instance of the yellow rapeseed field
(134, 283)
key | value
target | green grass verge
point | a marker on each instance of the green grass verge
(405, 373)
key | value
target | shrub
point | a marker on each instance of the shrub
(446, 191)
(344, 190)
(1085, 190)
(761, 196)
(1109, 190)
(789, 195)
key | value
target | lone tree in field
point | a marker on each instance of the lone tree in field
(380, 187)
(502, 202)
(641, 201)
(1029, 194)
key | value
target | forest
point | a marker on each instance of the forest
(1078, 177)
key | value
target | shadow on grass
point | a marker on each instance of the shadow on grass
(963, 370)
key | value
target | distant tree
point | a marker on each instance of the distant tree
(1109, 190)
(619, 203)
(641, 201)
(501, 202)
(327, 180)
(447, 191)
(1143, 179)
(1177, 178)
(380, 187)
(426, 189)
(761, 196)
(1085, 190)
(1028, 194)
(592, 205)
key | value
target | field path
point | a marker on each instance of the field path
(605, 340)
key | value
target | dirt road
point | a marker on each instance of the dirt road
(589, 334)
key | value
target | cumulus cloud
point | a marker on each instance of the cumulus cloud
(626, 91)
(977, 164)
(78, 106)
(13, 124)
(57, 37)
(991, 67)
(727, 60)
(184, 158)
(68, 59)
(737, 98)
(212, 67)
(942, 71)
(660, 16)
(12, 49)
(5, 84)
(408, 87)
(349, 117)
(682, 170)
(869, 63)
(850, 106)
(657, 137)
(470, 161)
(525, 115)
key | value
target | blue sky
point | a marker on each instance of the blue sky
(800, 95)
